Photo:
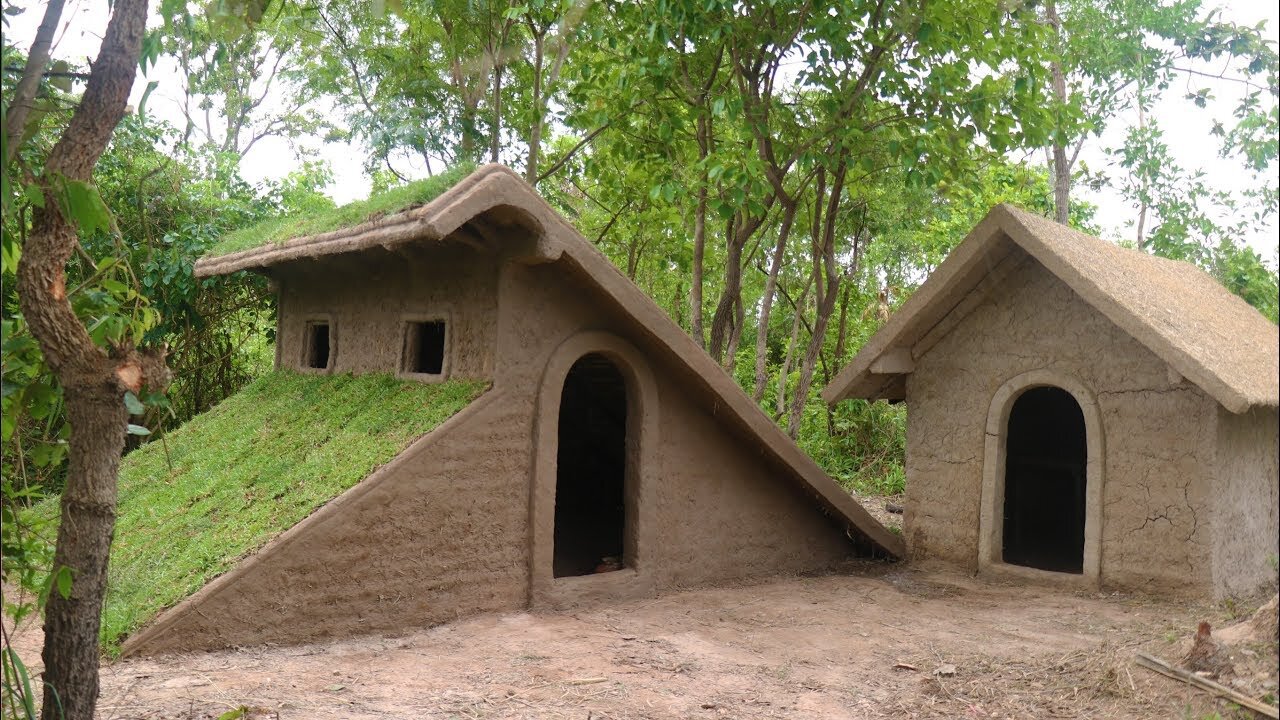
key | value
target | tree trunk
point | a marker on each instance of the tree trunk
(699, 236)
(94, 382)
(826, 278)
(842, 332)
(792, 344)
(1061, 165)
(766, 302)
(98, 417)
(535, 131)
(724, 314)
(15, 121)
(699, 257)
(496, 140)
(735, 335)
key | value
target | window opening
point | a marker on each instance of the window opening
(424, 347)
(318, 345)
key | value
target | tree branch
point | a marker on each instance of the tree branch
(15, 120)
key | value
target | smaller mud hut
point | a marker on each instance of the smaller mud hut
(1082, 413)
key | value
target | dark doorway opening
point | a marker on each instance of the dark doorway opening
(318, 345)
(424, 347)
(591, 469)
(1044, 482)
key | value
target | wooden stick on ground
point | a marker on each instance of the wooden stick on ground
(1155, 664)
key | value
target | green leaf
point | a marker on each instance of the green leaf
(233, 714)
(137, 430)
(62, 82)
(33, 195)
(142, 104)
(133, 404)
(83, 206)
(62, 580)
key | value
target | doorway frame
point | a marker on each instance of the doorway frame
(991, 515)
(636, 579)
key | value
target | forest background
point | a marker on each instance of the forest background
(778, 176)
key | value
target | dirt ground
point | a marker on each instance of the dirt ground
(879, 641)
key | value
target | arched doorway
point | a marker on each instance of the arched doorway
(591, 470)
(1045, 482)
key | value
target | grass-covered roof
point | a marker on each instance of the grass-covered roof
(397, 199)
(246, 471)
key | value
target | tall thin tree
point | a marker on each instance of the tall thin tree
(94, 381)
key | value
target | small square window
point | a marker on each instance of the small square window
(318, 348)
(424, 347)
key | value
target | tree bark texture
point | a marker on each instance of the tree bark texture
(93, 381)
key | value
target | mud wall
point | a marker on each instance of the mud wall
(1246, 505)
(444, 530)
(367, 299)
(720, 510)
(1158, 433)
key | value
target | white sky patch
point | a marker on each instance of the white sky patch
(1186, 128)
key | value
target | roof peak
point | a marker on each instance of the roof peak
(1179, 312)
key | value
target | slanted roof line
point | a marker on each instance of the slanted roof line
(1178, 312)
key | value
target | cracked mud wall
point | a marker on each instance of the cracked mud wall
(1158, 433)
(443, 531)
(1246, 530)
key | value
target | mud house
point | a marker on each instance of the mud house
(609, 457)
(1082, 413)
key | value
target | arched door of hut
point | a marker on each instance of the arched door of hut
(1045, 482)
(591, 470)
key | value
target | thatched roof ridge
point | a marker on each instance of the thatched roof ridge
(1185, 317)
(495, 186)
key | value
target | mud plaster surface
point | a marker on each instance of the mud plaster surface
(1159, 434)
(804, 647)
(1246, 527)
(444, 531)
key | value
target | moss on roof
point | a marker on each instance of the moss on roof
(397, 199)
(246, 471)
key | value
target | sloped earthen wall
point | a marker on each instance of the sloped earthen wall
(1158, 433)
(1246, 529)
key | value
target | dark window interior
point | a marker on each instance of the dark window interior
(424, 347)
(1044, 486)
(591, 469)
(318, 345)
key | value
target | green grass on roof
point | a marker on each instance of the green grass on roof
(278, 230)
(248, 470)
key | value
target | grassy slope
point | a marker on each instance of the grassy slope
(249, 469)
(278, 230)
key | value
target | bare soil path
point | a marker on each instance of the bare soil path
(806, 647)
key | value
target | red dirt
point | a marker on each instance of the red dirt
(806, 647)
